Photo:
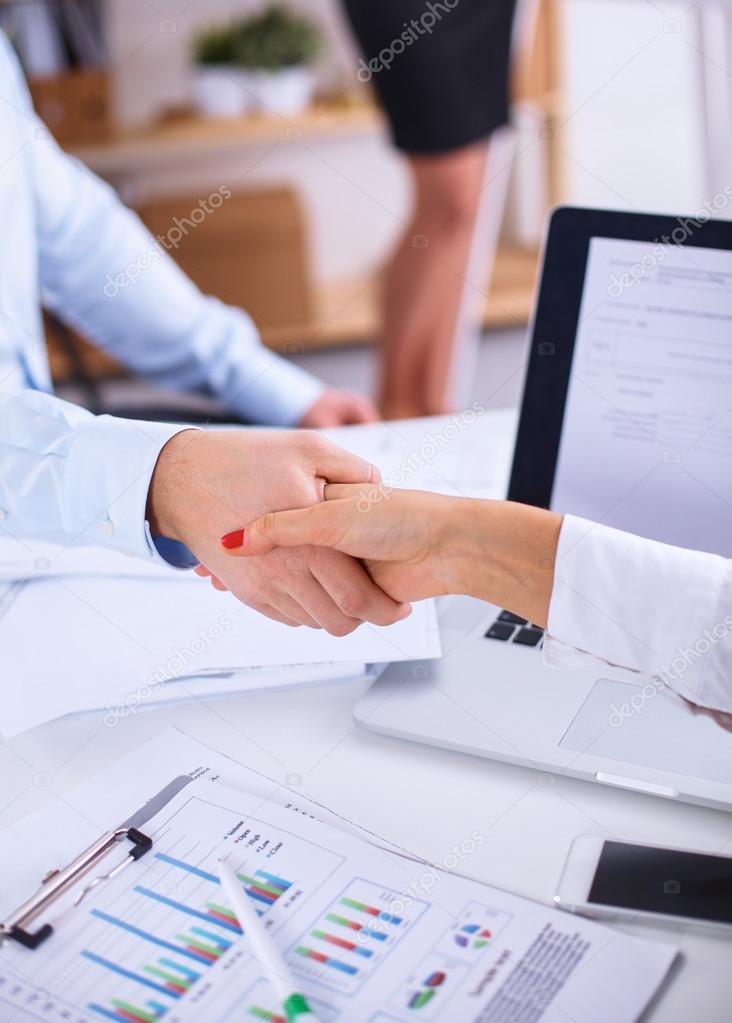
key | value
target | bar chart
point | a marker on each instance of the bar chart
(149, 947)
(265, 888)
(349, 941)
(257, 1012)
(260, 1004)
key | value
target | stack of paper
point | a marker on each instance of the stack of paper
(372, 936)
(85, 629)
(79, 643)
(465, 455)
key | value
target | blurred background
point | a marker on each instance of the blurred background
(611, 107)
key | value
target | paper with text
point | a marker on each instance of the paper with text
(372, 936)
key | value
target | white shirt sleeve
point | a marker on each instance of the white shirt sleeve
(76, 478)
(104, 273)
(645, 606)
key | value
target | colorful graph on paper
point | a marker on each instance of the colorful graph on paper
(473, 932)
(473, 936)
(133, 956)
(179, 955)
(260, 1003)
(346, 944)
(425, 993)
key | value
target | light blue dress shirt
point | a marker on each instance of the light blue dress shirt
(66, 474)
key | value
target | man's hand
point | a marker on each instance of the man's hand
(339, 408)
(206, 484)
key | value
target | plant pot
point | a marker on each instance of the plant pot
(287, 92)
(220, 90)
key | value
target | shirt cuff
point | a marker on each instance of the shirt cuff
(173, 552)
(634, 603)
(106, 483)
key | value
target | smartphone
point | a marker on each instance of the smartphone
(604, 878)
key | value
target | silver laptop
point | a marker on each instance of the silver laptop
(626, 418)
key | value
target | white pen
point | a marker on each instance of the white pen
(264, 949)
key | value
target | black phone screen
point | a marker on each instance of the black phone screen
(667, 881)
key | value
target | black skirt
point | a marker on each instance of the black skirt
(440, 67)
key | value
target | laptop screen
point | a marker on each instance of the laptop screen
(646, 442)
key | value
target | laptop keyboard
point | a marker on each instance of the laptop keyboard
(511, 628)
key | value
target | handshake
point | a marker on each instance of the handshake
(307, 534)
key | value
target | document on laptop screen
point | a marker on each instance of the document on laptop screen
(647, 435)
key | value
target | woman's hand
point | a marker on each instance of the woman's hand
(418, 545)
(411, 542)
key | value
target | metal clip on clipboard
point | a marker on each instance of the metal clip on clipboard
(57, 882)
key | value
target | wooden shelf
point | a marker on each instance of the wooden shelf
(191, 137)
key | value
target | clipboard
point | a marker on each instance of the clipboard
(57, 882)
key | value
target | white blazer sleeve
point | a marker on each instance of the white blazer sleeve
(76, 478)
(104, 273)
(638, 604)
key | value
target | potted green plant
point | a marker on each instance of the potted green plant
(220, 87)
(277, 48)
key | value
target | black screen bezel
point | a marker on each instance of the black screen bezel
(554, 328)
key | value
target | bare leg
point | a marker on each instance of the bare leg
(425, 280)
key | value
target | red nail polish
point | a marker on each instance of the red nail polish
(234, 539)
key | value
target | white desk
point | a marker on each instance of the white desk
(421, 798)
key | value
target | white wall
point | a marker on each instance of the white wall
(632, 132)
(354, 189)
(150, 47)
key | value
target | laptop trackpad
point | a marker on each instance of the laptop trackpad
(644, 726)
